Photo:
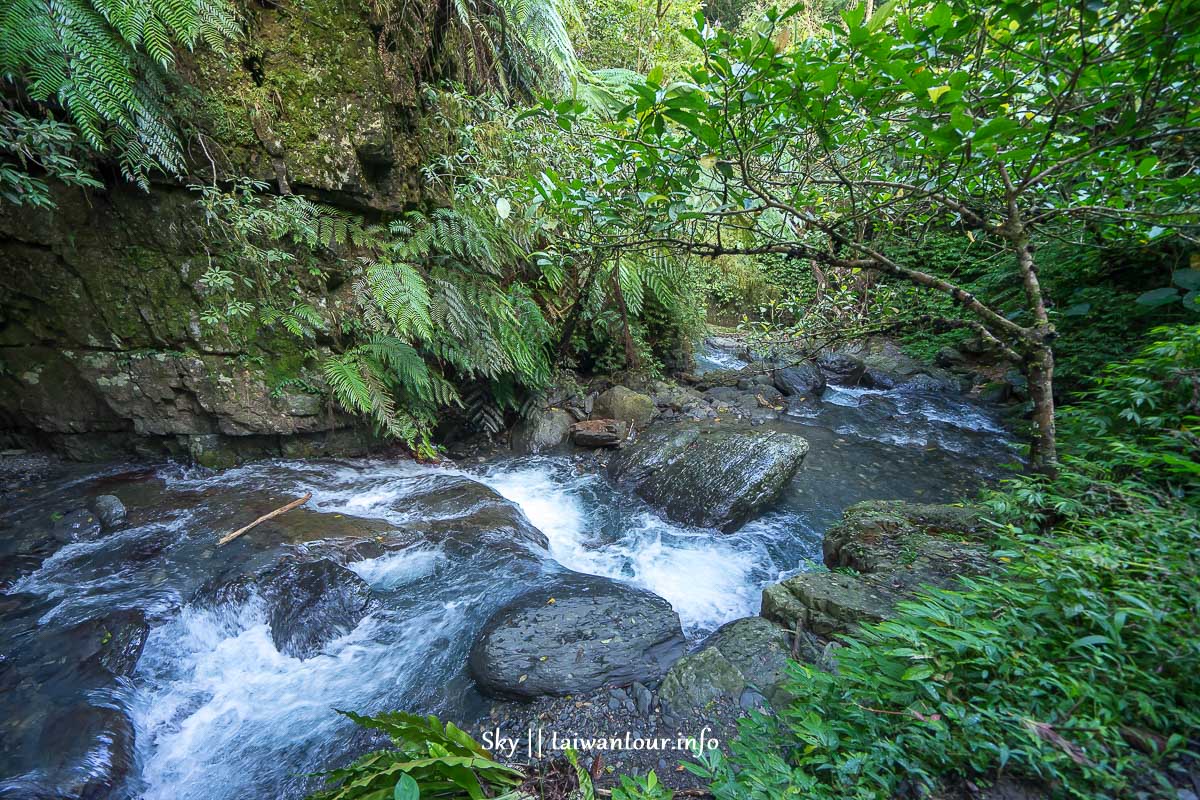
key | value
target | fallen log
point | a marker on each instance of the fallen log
(265, 517)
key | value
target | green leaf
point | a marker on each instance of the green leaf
(935, 92)
(918, 672)
(407, 789)
(1188, 279)
(1159, 297)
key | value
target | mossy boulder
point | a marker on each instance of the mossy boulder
(626, 405)
(880, 553)
(745, 658)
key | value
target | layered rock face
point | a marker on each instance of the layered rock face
(891, 548)
(102, 347)
(717, 478)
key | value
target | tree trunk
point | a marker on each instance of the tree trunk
(1043, 449)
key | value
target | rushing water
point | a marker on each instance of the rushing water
(219, 712)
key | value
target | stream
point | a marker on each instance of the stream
(218, 712)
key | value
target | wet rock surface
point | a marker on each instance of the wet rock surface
(598, 433)
(577, 634)
(311, 603)
(892, 548)
(715, 478)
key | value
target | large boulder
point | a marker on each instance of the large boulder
(744, 660)
(578, 634)
(710, 477)
(544, 429)
(90, 753)
(800, 380)
(309, 604)
(625, 405)
(843, 369)
(111, 644)
(892, 549)
(469, 517)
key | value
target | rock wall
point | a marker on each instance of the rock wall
(102, 350)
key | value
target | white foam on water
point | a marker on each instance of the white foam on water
(708, 577)
(388, 572)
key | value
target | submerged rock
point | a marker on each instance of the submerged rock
(626, 405)
(309, 604)
(90, 751)
(715, 478)
(893, 548)
(109, 509)
(578, 634)
(743, 658)
(544, 429)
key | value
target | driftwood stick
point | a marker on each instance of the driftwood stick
(265, 517)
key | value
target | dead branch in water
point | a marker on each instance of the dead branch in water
(265, 517)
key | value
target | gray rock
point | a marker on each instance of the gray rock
(643, 697)
(716, 478)
(309, 604)
(90, 751)
(841, 368)
(626, 405)
(112, 644)
(544, 429)
(109, 510)
(892, 548)
(581, 633)
(746, 655)
(802, 380)
(598, 433)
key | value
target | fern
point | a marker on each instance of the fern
(102, 62)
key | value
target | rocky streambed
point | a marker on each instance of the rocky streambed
(576, 588)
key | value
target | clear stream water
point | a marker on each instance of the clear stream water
(220, 714)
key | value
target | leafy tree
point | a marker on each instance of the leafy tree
(1012, 123)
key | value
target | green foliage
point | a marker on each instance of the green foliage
(441, 760)
(641, 787)
(656, 26)
(1076, 666)
(102, 64)
(38, 144)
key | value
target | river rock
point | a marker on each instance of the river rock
(625, 405)
(598, 433)
(802, 380)
(893, 548)
(745, 657)
(109, 510)
(90, 753)
(578, 634)
(309, 604)
(709, 477)
(469, 516)
(544, 429)
(841, 368)
(111, 644)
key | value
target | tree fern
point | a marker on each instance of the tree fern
(100, 62)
